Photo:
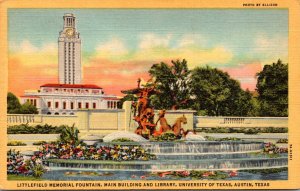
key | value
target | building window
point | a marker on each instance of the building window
(72, 105)
(79, 105)
(64, 105)
(94, 105)
(34, 102)
(49, 104)
(56, 104)
(108, 104)
(86, 105)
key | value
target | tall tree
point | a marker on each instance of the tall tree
(272, 87)
(214, 93)
(172, 83)
(13, 104)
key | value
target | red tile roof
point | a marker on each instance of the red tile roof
(111, 98)
(30, 96)
(87, 86)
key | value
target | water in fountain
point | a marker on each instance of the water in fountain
(189, 156)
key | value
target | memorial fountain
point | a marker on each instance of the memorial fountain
(188, 151)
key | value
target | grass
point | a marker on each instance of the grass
(21, 177)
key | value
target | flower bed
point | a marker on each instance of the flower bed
(271, 148)
(28, 166)
(83, 152)
(194, 174)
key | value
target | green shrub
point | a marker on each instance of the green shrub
(38, 170)
(16, 143)
(39, 142)
(167, 136)
(209, 138)
(282, 141)
(122, 140)
(243, 130)
(38, 129)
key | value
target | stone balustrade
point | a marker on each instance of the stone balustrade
(207, 121)
(13, 119)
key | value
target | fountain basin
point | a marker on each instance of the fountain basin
(187, 155)
(208, 164)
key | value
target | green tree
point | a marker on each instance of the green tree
(272, 87)
(127, 97)
(172, 83)
(214, 93)
(28, 108)
(13, 104)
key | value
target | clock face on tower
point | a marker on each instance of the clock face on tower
(70, 32)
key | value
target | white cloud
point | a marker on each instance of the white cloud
(114, 46)
(271, 46)
(191, 40)
(26, 47)
(151, 40)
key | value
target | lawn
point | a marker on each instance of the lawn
(22, 177)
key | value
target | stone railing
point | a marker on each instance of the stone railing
(206, 121)
(23, 118)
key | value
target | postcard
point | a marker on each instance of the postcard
(119, 95)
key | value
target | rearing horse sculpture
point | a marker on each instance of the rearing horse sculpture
(178, 130)
(143, 114)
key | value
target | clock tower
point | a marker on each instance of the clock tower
(69, 52)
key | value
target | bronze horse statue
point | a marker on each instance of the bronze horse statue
(177, 129)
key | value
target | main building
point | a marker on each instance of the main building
(69, 95)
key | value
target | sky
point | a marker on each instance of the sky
(120, 45)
